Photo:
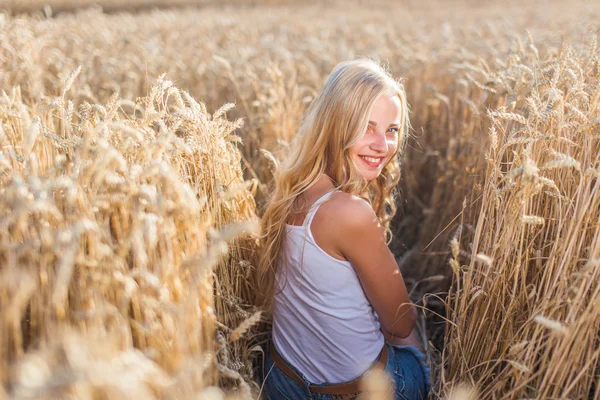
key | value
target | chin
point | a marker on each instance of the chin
(369, 176)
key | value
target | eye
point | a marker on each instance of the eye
(393, 130)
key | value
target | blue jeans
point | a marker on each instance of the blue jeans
(405, 365)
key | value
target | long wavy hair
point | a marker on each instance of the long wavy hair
(333, 123)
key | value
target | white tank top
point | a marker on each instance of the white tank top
(323, 323)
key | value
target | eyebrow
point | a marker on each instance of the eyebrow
(392, 124)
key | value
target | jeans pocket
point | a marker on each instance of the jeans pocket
(280, 386)
(276, 385)
(400, 384)
(412, 373)
(281, 393)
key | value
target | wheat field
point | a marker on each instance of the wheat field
(137, 151)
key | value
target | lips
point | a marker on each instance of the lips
(372, 161)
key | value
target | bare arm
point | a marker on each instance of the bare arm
(410, 340)
(362, 242)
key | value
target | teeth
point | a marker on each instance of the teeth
(372, 159)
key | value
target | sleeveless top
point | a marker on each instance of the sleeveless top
(323, 323)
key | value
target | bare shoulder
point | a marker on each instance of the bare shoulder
(348, 213)
(354, 227)
(342, 221)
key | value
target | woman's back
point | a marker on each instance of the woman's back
(322, 320)
(329, 276)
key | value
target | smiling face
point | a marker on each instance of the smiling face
(380, 141)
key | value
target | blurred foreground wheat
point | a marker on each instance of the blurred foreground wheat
(110, 227)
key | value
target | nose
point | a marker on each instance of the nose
(379, 142)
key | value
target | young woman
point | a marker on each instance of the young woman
(339, 303)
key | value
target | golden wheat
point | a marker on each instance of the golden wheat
(117, 185)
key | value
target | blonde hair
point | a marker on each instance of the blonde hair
(333, 123)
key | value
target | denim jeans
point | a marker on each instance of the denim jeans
(405, 365)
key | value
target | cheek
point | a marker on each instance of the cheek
(358, 147)
(392, 146)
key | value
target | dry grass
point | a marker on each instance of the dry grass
(533, 286)
(112, 202)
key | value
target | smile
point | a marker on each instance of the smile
(372, 161)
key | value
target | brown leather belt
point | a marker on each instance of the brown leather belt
(349, 387)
